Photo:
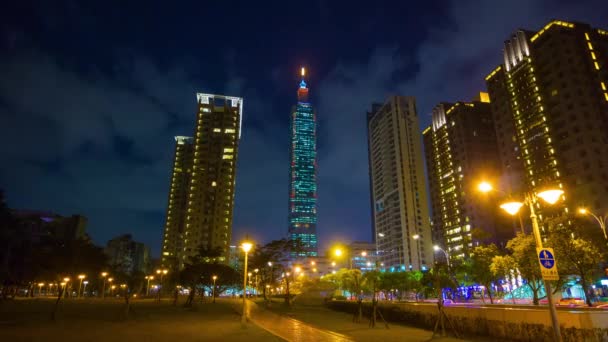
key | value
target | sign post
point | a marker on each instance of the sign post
(548, 265)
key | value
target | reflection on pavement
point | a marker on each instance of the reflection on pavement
(288, 328)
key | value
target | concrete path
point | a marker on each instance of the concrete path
(287, 328)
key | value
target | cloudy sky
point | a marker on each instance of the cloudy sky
(92, 95)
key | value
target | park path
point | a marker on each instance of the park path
(287, 328)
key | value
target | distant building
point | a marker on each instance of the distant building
(363, 255)
(550, 105)
(302, 203)
(39, 224)
(461, 151)
(127, 255)
(400, 210)
(201, 201)
(175, 224)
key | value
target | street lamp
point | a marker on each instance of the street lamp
(81, 277)
(103, 288)
(602, 220)
(84, 288)
(551, 196)
(150, 277)
(417, 238)
(40, 285)
(162, 273)
(447, 256)
(246, 246)
(66, 281)
(338, 252)
(214, 279)
(112, 290)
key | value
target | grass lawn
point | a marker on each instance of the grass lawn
(103, 320)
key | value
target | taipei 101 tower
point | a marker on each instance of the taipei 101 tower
(303, 174)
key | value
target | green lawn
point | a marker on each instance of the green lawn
(104, 320)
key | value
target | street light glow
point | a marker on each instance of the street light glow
(551, 196)
(338, 252)
(436, 248)
(511, 207)
(81, 276)
(416, 236)
(583, 211)
(485, 187)
(246, 246)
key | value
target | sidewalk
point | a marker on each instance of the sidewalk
(341, 323)
(287, 328)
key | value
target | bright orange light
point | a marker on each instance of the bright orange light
(511, 207)
(246, 246)
(485, 187)
(303, 72)
(583, 211)
(551, 196)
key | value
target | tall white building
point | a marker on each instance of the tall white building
(399, 201)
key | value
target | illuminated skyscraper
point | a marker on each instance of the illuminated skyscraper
(201, 212)
(461, 150)
(550, 106)
(303, 174)
(178, 199)
(400, 210)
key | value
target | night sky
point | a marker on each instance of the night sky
(92, 95)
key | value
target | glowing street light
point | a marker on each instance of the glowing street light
(103, 288)
(436, 248)
(551, 196)
(66, 281)
(162, 272)
(84, 288)
(81, 277)
(40, 285)
(601, 220)
(485, 187)
(214, 279)
(150, 277)
(246, 246)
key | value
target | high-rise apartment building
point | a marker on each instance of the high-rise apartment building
(550, 106)
(303, 174)
(461, 150)
(127, 255)
(400, 210)
(205, 216)
(175, 223)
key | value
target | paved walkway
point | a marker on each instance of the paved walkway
(341, 324)
(287, 328)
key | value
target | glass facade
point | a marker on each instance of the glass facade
(303, 175)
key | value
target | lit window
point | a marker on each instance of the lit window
(230, 130)
(217, 130)
(228, 149)
(227, 156)
(213, 183)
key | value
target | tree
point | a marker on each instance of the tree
(481, 259)
(198, 272)
(575, 255)
(504, 266)
(523, 250)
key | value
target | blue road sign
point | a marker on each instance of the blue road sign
(546, 259)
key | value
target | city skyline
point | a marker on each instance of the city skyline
(112, 168)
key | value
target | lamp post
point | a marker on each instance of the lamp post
(447, 256)
(81, 277)
(602, 220)
(84, 288)
(40, 285)
(246, 246)
(214, 279)
(103, 287)
(550, 196)
(417, 238)
(256, 281)
(112, 290)
(150, 277)
(162, 273)
(66, 280)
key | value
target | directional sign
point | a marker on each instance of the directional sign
(548, 266)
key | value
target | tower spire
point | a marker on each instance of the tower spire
(303, 91)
